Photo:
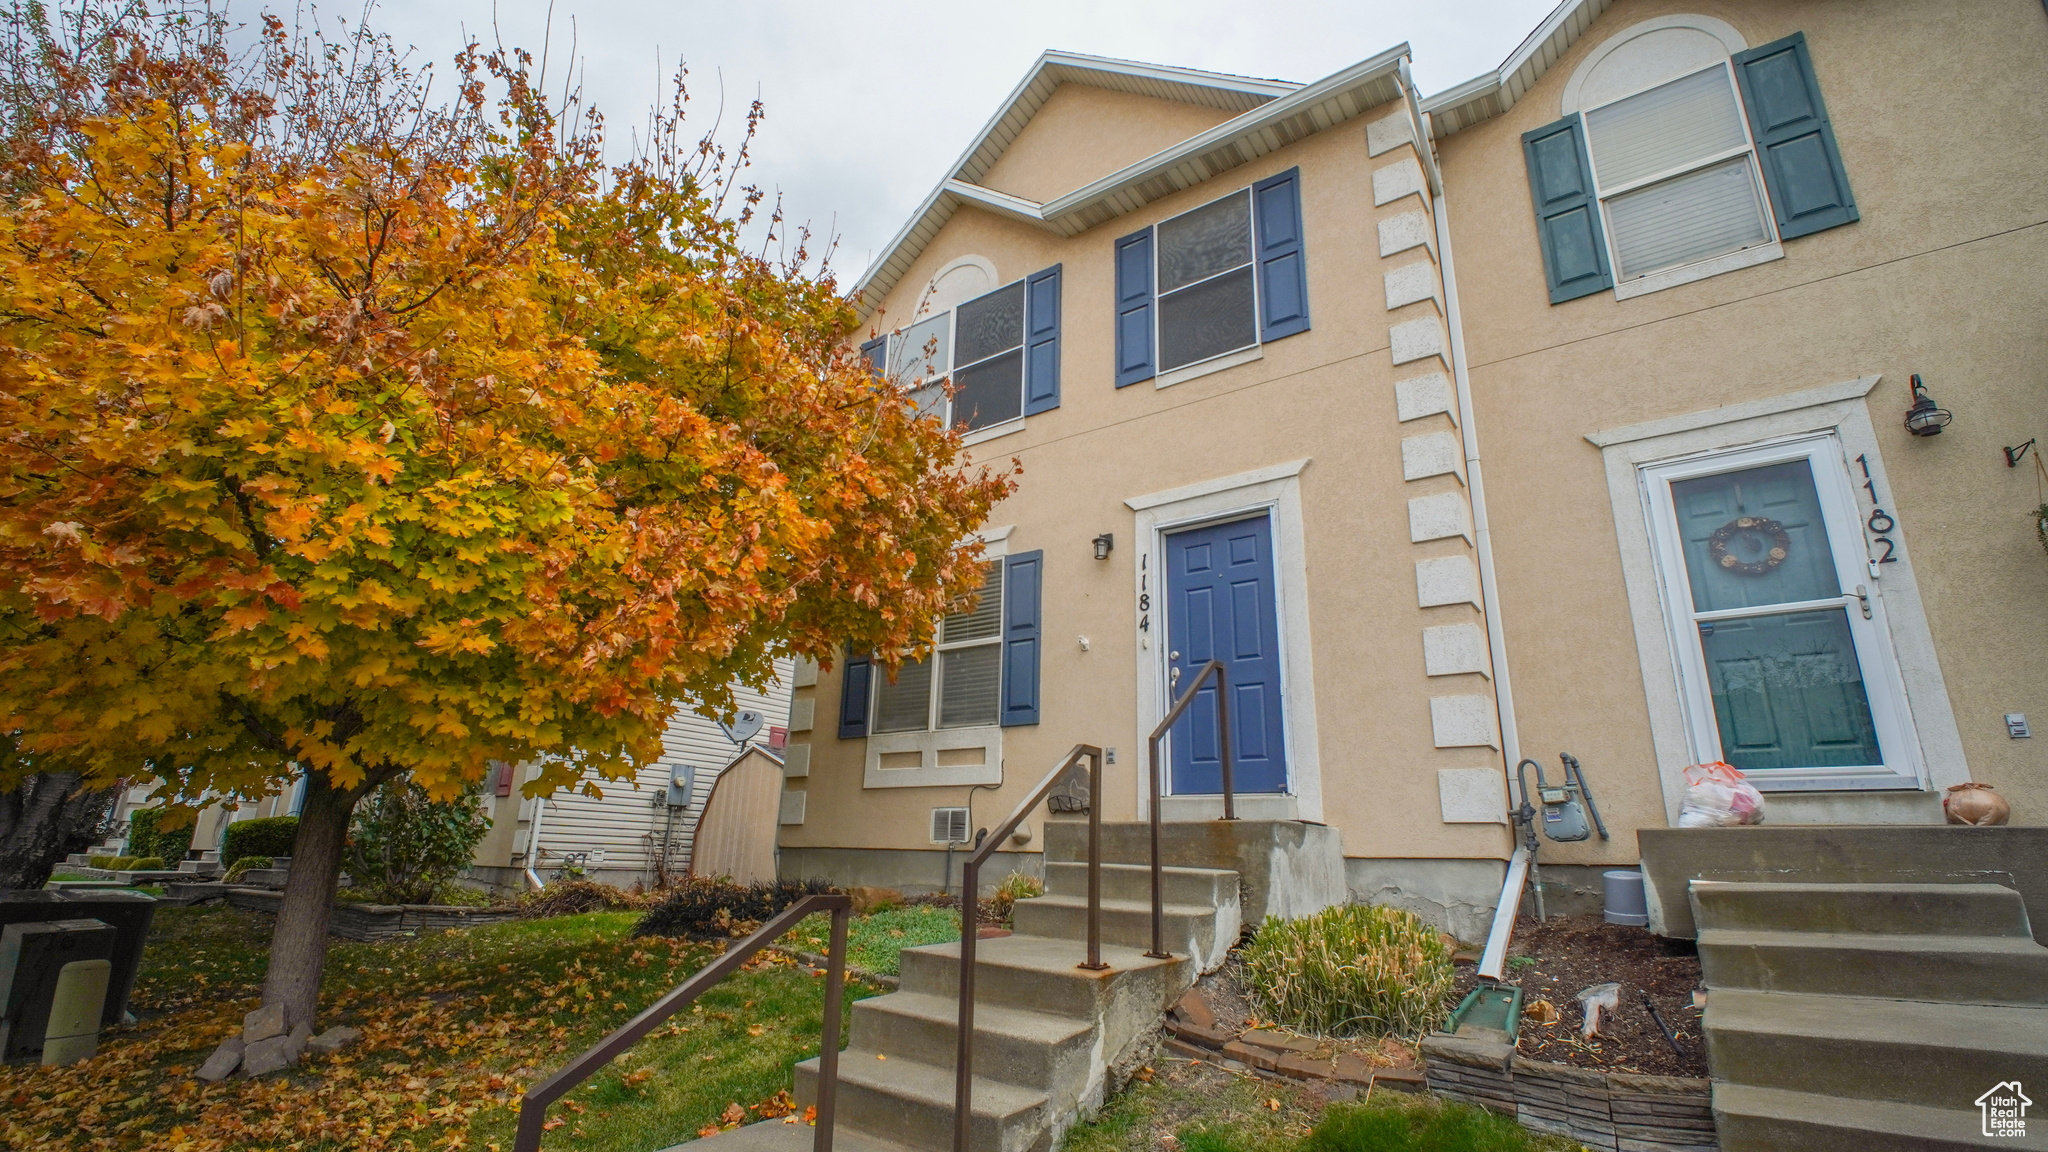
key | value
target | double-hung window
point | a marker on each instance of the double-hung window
(1676, 174)
(940, 722)
(999, 352)
(1698, 174)
(1211, 282)
(959, 685)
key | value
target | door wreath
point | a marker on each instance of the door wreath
(1767, 533)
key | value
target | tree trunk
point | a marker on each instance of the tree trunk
(46, 819)
(298, 944)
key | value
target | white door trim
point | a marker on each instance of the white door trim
(1276, 491)
(1841, 409)
(1885, 695)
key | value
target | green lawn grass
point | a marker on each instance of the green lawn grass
(876, 941)
(1204, 1108)
(456, 1025)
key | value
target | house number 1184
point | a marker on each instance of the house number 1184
(1880, 522)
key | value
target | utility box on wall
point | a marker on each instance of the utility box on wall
(682, 785)
(53, 984)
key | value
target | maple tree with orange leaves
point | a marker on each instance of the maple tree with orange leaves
(358, 435)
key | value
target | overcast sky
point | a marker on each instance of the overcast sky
(869, 103)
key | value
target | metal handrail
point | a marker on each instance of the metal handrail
(970, 917)
(533, 1105)
(1159, 951)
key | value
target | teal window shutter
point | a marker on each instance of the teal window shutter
(1567, 212)
(1283, 272)
(1021, 579)
(1134, 357)
(876, 353)
(1042, 341)
(1795, 145)
(854, 682)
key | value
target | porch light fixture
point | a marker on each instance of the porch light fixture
(1103, 544)
(1924, 418)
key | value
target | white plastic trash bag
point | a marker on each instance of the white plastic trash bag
(1717, 796)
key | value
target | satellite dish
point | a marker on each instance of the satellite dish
(744, 727)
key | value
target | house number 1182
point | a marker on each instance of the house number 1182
(1880, 522)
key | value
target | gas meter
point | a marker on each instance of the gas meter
(1565, 804)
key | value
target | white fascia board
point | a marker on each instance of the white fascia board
(1059, 215)
(1000, 203)
(1249, 85)
(1527, 63)
(1232, 129)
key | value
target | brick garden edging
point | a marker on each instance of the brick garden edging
(1607, 1111)
(378, 921)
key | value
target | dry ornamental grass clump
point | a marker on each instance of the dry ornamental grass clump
(1353, 970)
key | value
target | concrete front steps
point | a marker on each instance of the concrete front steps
(1047, 1032)
(1867, 1017)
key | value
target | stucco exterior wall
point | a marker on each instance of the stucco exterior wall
(1946, 274)
(1082, 134)
(1325, 396)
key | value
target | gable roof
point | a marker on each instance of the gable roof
(1492, 93)
(1272, 114)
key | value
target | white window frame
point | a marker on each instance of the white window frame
(1878, 662)
(1669, 277)
(933, 746)
(899, 353)
(1165, 377)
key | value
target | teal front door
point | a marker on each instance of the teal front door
(1783, 622)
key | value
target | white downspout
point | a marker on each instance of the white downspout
(540, 807)
(1489, 595)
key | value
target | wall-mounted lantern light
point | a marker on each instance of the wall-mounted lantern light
(1103, 544)
(1924, 418)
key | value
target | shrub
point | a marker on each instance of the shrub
(269, 836)
(702, 908)
(100, 861)
(1016, 886)
(1352, 970)
(145, 864)
(148, 837)
(574, 897)
(403, 846)
(242, 865)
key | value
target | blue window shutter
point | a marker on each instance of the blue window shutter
(1042, 341)
(1134, 308)
(1794, 143)
(1567, 211)
(1021, 579)
(854, 682)
(1283, 272)
(876, 353)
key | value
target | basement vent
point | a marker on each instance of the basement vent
(949, 825)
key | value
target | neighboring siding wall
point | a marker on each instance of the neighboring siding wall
(736, 829)
(630, 822)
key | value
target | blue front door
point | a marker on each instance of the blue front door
(1220, 605)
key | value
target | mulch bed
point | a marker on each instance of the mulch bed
(1552, 960)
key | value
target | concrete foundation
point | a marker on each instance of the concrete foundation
(910, 871)
(1456, 896)
(2015, 858)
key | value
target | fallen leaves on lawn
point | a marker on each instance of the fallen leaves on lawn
(439, 1051)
